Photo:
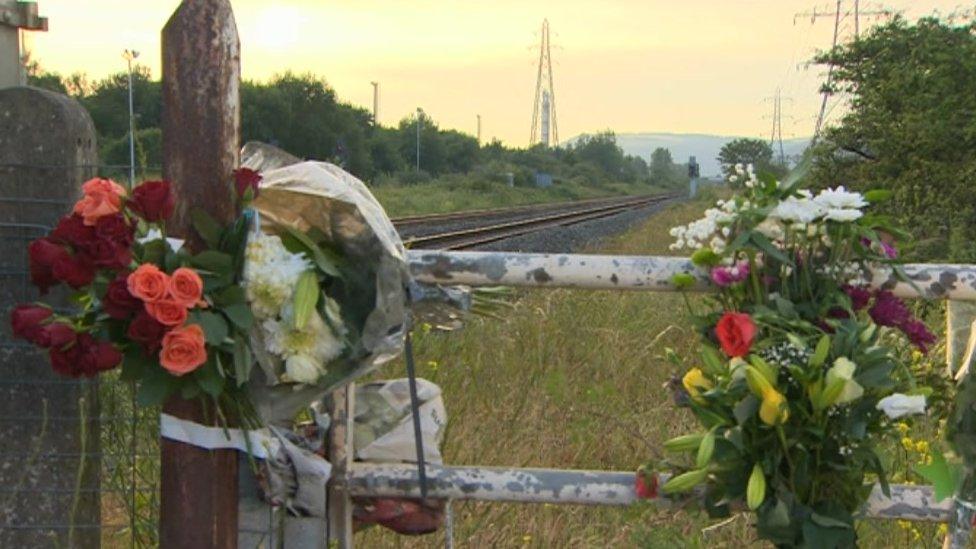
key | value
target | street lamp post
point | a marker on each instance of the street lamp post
(420, 113)
(129, 56)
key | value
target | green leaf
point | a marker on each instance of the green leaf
(746, 409)
(208, 377)
(154, 252)
(943, 475)
(190, 391)
(306, 298)
(296, 241)
(712, 360)
(769, 249)
(231, 295)
(155, 387)
(875, 196)
(206, 226)
(243, 361)
(240, 315)
(213, 262)
(828, 522)
(214, 326)
(135, 364)
(820, 353)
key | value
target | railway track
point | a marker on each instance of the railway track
(517, 221)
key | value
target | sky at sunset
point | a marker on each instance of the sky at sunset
(693, 66)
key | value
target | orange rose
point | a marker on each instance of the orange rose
(184, 350)
(102, 197)
(102, 186)
(185, 286)
(148, 283)
(167, 311)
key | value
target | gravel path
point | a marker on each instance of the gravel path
(574, 237)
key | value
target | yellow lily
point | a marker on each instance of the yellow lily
(773, 410)
(695, 382)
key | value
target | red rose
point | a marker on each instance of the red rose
(43, 254)
(645, 485)
(118, 302)
(115, 228)
(153, 201)
(108, 254)
(75, 271)
(244, 179)
(146, 331)
(735, 332)
(55, 334)
(27, 320)
(72, 230)
(87, 357)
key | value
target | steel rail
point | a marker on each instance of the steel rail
(410, 220)
(467, 238)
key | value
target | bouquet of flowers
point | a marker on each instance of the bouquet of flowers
(307, 283)
(798, 378)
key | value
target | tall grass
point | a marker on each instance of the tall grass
(574, 379)
(453, 193)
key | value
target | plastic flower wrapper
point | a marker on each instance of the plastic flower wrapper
(364, 306)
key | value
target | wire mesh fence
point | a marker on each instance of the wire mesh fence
(79, 465)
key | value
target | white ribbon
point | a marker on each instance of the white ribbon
(262, 443)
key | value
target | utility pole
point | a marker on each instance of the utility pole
(376, 103)
(16, 17)
(420, 114)
(129, 55)
(837, 14)
(479, 130)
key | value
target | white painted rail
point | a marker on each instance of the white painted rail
(642, 273)
(956, 283)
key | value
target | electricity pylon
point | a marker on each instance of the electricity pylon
(545, 130)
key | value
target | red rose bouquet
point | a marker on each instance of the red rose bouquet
(176, 322)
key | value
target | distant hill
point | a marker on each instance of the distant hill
(703, 147)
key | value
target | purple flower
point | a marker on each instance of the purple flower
(726, 276)
(889, 250)
(919, 334)
(859, 296)
(888, 310)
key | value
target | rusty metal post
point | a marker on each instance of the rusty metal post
(341, 455)
(201, 143)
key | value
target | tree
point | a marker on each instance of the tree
(745, 151)
(663, 171)
(910, 128)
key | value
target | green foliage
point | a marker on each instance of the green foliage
(910, 129)
(747, 151)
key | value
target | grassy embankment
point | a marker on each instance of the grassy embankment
(453, 194)
(573, 379)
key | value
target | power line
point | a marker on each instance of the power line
(776, 134)
(837, 14)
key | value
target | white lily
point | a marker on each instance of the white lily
(898, 405)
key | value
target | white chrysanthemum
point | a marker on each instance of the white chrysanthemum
(302, 369)
(270, 274)
(840, 198)
(771, 228)
(797, 210)
(843, 215)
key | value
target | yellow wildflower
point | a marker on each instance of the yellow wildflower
(773, 410)
(902, 427)
(904, 524)
(908, 444)
(922, 447)
(695, 382)
(943, 529)
(917, 356)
